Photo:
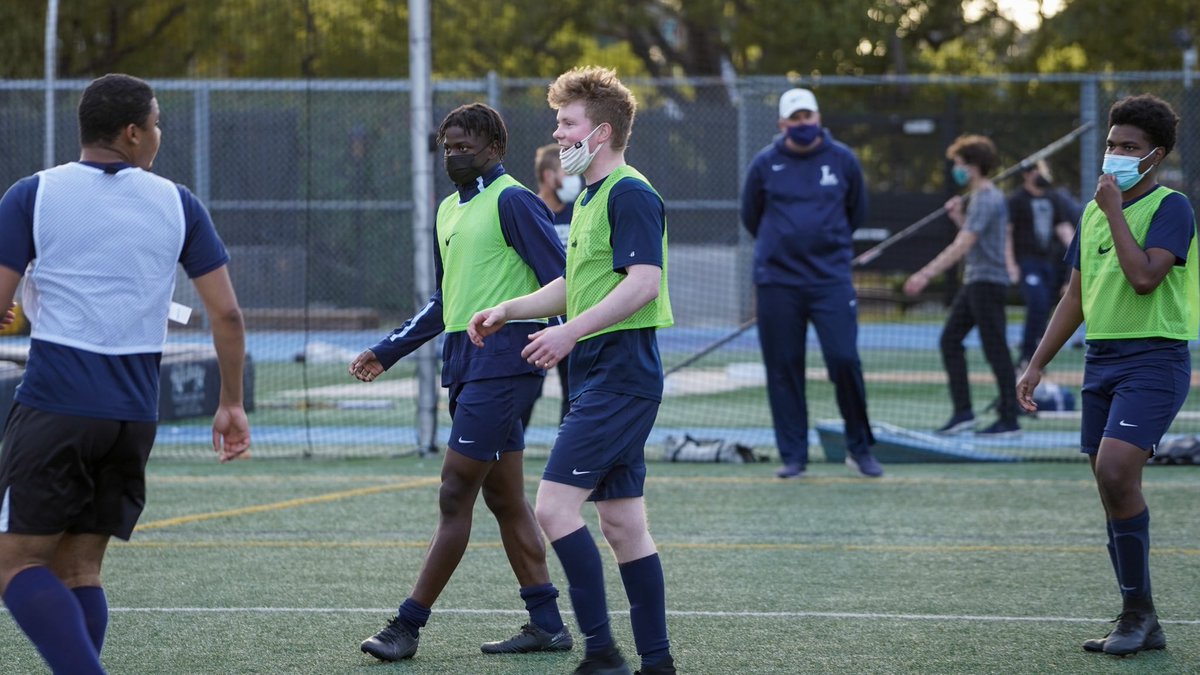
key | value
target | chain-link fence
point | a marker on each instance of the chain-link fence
(309, 184)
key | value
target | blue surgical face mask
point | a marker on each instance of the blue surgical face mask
(1125, 169)
(960, 175)
(804, 134)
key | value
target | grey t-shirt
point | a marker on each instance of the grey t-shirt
(987, 217)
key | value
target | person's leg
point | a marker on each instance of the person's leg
(1038, 286)
(42, 606)
(504, 494)
(77, 563)
(782, 332)
(959, 322)
(835, 319)
(557, 509)
(987, 306)
(623, 522)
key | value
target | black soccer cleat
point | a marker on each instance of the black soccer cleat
(1137, 631)
(393, 643)
(608, 663)
(531, 639)
(666, 667)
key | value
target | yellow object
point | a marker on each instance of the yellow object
(19, 326)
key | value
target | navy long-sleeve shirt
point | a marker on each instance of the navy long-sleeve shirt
(527, 225)
(801, 209)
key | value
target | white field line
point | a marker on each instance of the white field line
(739, 614)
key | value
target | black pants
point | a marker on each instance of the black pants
(979, 304)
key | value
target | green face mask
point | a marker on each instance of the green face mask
(960, 175)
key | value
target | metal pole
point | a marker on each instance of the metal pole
(51, 66)
(421, 109)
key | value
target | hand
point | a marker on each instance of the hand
(1014, 273)
(549, 346)
(1108, 195)
(1026, 386)
(954, 209)
(485, 323)
(231, 433)
(916, 283)
(366, 366)
(9, 316)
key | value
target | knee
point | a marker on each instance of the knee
(949, 345)
(455, 497)
(621, 535)
(1116, 490)
(502, 503)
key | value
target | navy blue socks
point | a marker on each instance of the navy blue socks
(541, 602)
(644, 586)
(1131, 542)
(413, 615)
(50, 616)
(94, 604)
(581, 562)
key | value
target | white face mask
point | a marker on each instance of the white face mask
(570, 189)
(576, 158)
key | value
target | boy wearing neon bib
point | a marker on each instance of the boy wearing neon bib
(494, 241)
(614, 296)
(1136, 281)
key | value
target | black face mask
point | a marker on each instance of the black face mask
(461, 168)
(1041, 181)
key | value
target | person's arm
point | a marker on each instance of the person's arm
(948, 257)
(1010, 256)
(1143, 269)
(753, 199)
(231, 428)
(549, 300)
(1063, 324)
(856, 193)
(9, 278)
(528, 227)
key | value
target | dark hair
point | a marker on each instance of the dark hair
(976, 150)
(546, 159)
(111, 103)
(1149, 113)
(479, 120)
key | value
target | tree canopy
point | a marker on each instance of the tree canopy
(534, 38)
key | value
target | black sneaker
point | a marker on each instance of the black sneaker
(790, 471)
(393, 643)
(1000, 429)
(608, 663)
(664, 668)
(531, 639)
(959, 423)
(1135, 632)
(865, 464)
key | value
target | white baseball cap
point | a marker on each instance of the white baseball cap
(796, 99)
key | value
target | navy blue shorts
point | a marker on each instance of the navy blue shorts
(601, 445)
(486, 415)
(1133, 402)
(83, 475)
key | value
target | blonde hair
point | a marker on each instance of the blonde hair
(604, 99)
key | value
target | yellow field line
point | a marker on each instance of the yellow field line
(712, 546)
(287, 504)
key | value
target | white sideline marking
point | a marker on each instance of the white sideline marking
(682, 613)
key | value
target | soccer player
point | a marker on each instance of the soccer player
(614, 295)
(1136, 282)
(494, 241)
(108, 236)
(982, 222)
(803, 197)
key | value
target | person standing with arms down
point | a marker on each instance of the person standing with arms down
(1041, 228)
(494, 241)
(559, 190)
(803, 197)
(101, 238)
(1136, 282)
(982, 222)
(614, 295)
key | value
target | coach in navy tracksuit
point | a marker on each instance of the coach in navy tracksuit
(804, 195)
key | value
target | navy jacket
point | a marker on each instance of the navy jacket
(801, 209)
